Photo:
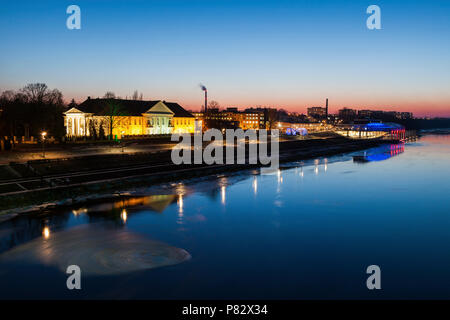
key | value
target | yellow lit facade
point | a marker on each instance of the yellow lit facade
(183, 125)
(128, 126)
(149, 118)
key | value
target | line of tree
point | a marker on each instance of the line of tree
(31, 110)
(135, 96)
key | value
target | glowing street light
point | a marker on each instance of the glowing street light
(43, 134)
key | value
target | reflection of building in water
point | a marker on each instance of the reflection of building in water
(115, 210)
(180, 209)
(381, 153)
(180, 203)
(78, 212)
(279, 180)
(24, 228)
(156, 203)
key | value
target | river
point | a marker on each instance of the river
(308, 231)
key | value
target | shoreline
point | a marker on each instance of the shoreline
(114, 187)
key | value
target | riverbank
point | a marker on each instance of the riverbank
(69, 181)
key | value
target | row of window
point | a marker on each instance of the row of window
(166, 121)
(183, 122)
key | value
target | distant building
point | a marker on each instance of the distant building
(347, 114)
(233, 109)
(253, 119)
(365, 114)
(384, 115)
(405, 115)
(317, 113)
(127, 118)
(309, 126)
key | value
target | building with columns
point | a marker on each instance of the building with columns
(127, 118)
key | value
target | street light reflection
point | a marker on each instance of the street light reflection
(180, 203)
(223, 195)
(124, 215)
(46, 233)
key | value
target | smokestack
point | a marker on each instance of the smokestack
(206, 97)
(326, 107)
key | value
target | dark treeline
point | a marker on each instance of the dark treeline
(423, 124)
(31, 110)
(417, 123)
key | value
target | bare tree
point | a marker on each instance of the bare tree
(7, 95)
(93, 128)
(112, 114)
(137, 96)
(101, 131)
(271, 117)
(109, 95)
(32, 109)
(213, 105)
(54, 97)
(35, 92)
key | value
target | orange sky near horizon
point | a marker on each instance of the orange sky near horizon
(422, 108)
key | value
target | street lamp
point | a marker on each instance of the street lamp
(43, 134)
(122, 139)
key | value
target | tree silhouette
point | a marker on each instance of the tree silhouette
(32, 109)
(109, 95)
(112, 114)
(213, 105)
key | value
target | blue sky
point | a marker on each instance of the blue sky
(290, 54)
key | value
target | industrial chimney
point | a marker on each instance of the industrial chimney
(326, 109)
(206, 97)
(206, 100)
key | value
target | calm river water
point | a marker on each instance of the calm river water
(309, 231)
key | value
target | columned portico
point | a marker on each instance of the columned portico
(76, 123)
(158, 119)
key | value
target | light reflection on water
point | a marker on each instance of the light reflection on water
(307, 231)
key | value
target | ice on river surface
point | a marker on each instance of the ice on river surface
(97, 251)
